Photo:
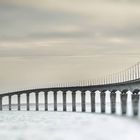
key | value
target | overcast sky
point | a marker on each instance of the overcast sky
(43, 41)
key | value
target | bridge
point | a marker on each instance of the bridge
(124, 81)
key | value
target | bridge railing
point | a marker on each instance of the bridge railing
(129, 74)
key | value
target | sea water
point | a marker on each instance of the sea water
(41, 125)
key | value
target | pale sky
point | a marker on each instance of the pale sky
(43, 41)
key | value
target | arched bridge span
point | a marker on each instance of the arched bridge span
(123, 87)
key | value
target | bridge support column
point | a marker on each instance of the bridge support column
(9, 102)
(28, 98)
(0, 103)
(37, 101)
(46, 101)
(83, 102)
(55, 101)
(64, 101)
(102, 98)
(124, 102)
(73, 101)
(18, 96)
(113, 102)
(93, 101)
(135, 104)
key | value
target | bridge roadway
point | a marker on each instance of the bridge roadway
(128, 85)
(123, 87)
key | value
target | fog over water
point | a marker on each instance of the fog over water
(66, 40)
(66, 126)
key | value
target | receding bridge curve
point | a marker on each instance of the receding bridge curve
(123, 87)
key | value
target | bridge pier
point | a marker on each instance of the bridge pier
(102, 98)
(135, 102)
(55, 101)
(18, 96)
(28, 98)
(37, 101)
(83, 102)
(0, 103)
(46, 100)
(9, 102)
(113, 102)
(93, 101)
(64, 102)
(124, 102)
(73, 101)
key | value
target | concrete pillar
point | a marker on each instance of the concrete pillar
(37, 101)
(55, 101)
(102, 98)
(10, 102)
(113, 102)
(73, 101)
(28, 98)
(18, 96)
(64, 101)
(93, 101)
(83, 101)
(135, 104)
(46, 101)
(124, 103)
(0, 103)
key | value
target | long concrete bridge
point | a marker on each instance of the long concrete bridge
(129, 81)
